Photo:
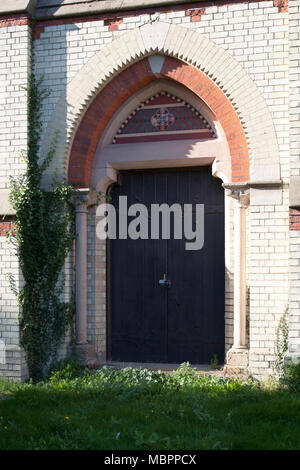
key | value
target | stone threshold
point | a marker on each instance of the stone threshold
(164, 367)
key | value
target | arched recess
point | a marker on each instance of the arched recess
(144, 152)
(129, 82)
(193, 60)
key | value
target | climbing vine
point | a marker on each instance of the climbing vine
(282, 342)
(43, 236)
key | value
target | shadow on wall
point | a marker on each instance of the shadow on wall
(49, 7)
(228, 310)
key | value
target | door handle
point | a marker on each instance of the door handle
(165, 282)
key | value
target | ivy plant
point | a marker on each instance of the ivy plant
(43, 235)
(282, 342)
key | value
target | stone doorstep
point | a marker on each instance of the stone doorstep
(235, 372)
(88, 357)
(202, 369)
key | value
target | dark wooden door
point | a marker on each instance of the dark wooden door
(152, 323)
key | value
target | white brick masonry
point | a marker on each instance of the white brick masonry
(294, 73)
(14, 67)
(14, 365)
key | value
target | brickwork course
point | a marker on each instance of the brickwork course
(239, 58)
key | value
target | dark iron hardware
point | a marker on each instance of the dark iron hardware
(165, 282)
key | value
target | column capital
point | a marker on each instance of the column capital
(238, 191)
(82, 198)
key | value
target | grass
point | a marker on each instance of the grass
(138, 409)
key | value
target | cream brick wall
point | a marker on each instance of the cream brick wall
(294, 36)
(294, 324)
(268, 279)
(14, 67)
(294, 74)
(9, 310)
(14, 63)
(14, 365)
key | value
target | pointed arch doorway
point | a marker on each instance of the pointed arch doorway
(105, 160)
(149, 320)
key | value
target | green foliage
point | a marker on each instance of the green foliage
(291, 377)
(130, 381)
(7, 386)
(42, 236)
(281, 344)
(65, 369)
(185, 374)
(214, 362)
(140, 409)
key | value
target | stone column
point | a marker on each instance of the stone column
(239, 337)
(81, 200)
(237, 356)
(81, 211)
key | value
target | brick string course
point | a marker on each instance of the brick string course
(113, 20)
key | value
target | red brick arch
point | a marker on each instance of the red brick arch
(128, 82)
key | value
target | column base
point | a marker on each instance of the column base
(87, 356)
(237, 361)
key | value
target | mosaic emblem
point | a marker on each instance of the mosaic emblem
(162, 119)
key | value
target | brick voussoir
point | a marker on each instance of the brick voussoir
(134, 78)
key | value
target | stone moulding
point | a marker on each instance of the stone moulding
(295, 192)
(17, 6)
(61, 8)
(49, 9)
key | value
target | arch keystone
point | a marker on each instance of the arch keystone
(154, 35)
